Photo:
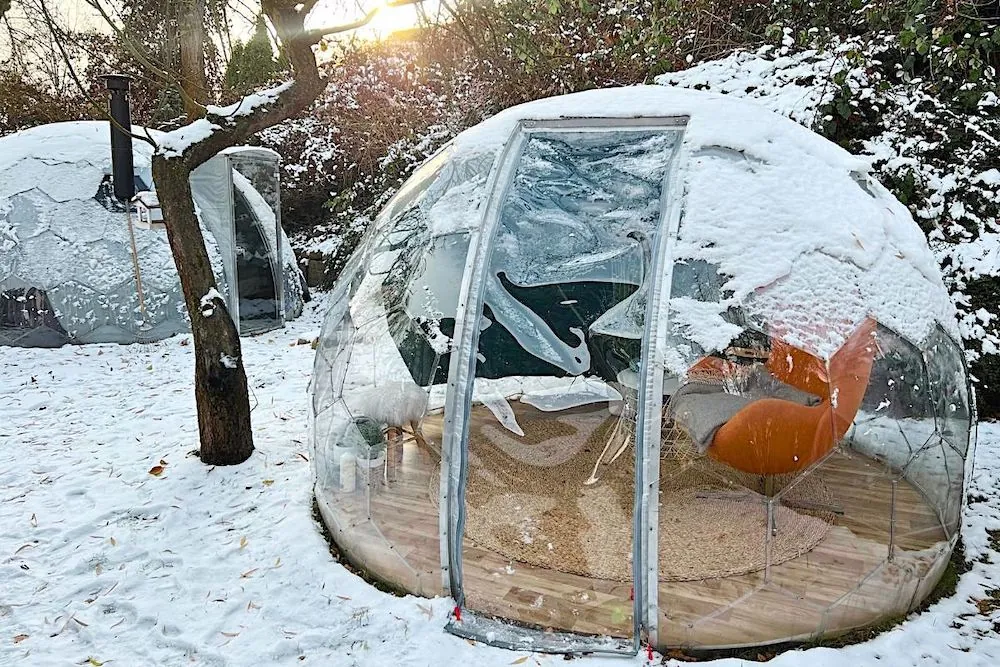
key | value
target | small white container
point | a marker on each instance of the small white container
(339, 450)
(370, 472)
(348, 471)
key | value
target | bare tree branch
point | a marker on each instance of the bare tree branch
(144, 59)
(235, 127)
(361, 22)
(58, 36)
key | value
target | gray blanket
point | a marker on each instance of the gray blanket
(702, 408)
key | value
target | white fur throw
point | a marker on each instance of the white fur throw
(393, 403)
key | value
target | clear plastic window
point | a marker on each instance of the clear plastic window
(549, 495)
(379, 390)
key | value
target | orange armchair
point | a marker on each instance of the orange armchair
(772, 436)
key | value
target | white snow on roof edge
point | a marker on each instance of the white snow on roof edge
(714, 120)
(768, 202)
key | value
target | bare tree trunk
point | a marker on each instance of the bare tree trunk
(220, 379)
(220, 382)
(191, 24)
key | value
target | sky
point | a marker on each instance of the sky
(333, 12)
(78, 15)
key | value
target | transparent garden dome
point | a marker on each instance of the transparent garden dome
(644, 364)
(74, 269)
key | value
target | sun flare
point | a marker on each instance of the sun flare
(394, 19)
(388, 20)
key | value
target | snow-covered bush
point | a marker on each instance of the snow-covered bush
(920, 100)
(387, 109)
(910, 83)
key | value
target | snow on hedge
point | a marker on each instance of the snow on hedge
(794, 85)
(947, 189)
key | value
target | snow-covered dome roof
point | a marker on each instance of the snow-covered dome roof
(601, 314)
(62, 234)
(801, 233)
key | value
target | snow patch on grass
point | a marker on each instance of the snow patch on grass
(225, 566)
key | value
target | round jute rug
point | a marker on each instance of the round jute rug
(527, 501)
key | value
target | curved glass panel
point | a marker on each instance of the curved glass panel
(949, 389)
(378, 391)
(799, 495)
(262, 173)
(259, 299)
(896, 418)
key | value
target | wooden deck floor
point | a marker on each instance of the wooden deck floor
(844, 582)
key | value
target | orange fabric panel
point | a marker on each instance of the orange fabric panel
(850, 370)
(773, 436)
(798, 368)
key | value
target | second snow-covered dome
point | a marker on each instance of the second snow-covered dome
(68, 272)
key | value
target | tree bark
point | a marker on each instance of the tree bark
(191, 23)
(220, 381)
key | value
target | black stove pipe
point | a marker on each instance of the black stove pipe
(122, 169)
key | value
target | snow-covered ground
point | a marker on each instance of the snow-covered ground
(104, 561)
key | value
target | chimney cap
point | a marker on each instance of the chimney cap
(116, 81)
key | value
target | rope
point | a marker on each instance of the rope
(135, 265)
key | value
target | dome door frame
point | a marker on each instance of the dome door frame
(249, 158)
(461, 378)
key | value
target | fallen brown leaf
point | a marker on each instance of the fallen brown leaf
(243, 542)
(268, 482)
(19, 638)
(156, 471)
